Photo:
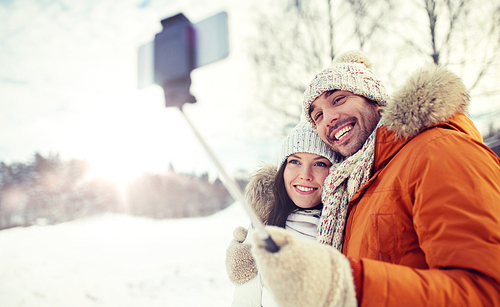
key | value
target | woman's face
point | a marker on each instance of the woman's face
(303, 176)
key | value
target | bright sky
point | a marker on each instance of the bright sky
(68, 85)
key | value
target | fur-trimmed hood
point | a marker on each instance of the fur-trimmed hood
(430, 96)
(259, 190)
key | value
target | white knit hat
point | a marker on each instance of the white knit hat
(304, 139)
(350, 71)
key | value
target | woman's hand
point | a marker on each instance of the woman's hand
(240, 265)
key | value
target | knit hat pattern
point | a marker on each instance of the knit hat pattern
(304, 139)
(351, 71)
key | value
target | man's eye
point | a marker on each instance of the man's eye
(317, 116)
(338, 100)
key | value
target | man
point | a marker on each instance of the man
(414, 208)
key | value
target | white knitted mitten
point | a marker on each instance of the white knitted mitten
(240, 265)
(304, 272)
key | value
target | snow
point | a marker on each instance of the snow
(119, 260)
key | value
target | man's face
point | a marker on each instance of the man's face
(344, 120)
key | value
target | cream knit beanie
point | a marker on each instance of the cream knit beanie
(350, 71)
(304, 139)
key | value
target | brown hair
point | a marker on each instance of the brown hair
(283, 205)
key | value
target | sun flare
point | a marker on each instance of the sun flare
(115, 169)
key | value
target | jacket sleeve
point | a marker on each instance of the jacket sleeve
(454, 185)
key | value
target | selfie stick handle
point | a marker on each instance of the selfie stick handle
(236, 193)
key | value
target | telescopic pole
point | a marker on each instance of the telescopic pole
(236, 193)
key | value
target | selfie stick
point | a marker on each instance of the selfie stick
(176, 51)
(236, 193)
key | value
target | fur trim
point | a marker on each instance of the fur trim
(431, 95)
(259, 191)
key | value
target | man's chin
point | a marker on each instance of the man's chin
(345, 150)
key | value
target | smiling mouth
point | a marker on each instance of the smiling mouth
(305, 189)
(340, 134)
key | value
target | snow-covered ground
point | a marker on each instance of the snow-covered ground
(119, 260)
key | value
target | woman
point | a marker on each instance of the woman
(289, 197)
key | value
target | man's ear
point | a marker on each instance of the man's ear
(378, 107)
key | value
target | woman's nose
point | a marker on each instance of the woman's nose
(306, 174)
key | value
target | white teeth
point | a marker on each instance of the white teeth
(342, 132)
(304, 189)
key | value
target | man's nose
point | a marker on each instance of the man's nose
(330, 117)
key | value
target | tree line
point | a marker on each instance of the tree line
(48, 190)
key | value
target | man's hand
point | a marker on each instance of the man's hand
(303, 272)
(240, 265)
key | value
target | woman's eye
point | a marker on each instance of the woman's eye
(321, 164)
(293, 162)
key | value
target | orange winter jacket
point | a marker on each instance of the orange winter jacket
(426, 226)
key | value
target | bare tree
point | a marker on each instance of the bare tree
(298, 39)
(463, 35)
